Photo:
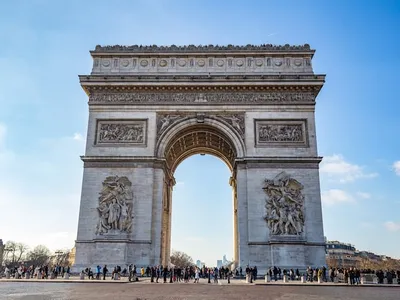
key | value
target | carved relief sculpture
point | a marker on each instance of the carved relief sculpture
(284, 205)
(281, 133)
(193, 98)
(166, 120)
(125, 132)
(236, 121)
(115, 206)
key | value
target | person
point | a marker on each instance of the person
(196, 276)
(98, 272)
(105, 270)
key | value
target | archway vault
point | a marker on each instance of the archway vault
(199, 139)
(190, 137)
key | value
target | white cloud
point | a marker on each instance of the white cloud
(392, 226)
(396, 167)
(363, 195)
(78, 136)
(335, 196)
(338, 169)
(181, 183)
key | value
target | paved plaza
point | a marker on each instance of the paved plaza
(144, 290)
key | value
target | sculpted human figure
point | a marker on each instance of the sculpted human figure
(284, 205)
(166, 121)
(114, 213)
(115, 206)
(235, 122)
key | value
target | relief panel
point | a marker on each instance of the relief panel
(281, 133)
(121, 132)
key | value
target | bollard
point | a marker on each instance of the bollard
(39, 275)
(285, 278)
(82, 276)
(303, 279)
(52, 275)
(27, 275)
(66, 275)
(319, 280)
(267, 278)
(247, 278)
(8, 275)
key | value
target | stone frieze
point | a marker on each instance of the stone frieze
(203, 98)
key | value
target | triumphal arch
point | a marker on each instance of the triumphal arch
(151, 107)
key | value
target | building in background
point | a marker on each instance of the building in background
(219, 263)
(340, 255)
(1, 252)
(198, 263)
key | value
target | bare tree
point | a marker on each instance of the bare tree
(181, 259)
(39, 255)
(14, 253)
(61, 257)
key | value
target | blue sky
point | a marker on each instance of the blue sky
(43, 115)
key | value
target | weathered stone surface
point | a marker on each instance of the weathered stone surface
(140, 129)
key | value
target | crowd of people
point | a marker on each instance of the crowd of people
(37, 272)
(187, 274)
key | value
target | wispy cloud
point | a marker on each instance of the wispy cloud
(396, 167)
(77, 136)
(336, 196)
(392, 226)
(336, 168)
(363, 195)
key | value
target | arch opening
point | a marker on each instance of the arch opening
(186, 142)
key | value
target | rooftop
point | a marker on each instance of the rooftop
(202, 48)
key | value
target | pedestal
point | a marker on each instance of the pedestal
(267, 278)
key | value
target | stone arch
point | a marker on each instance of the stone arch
(189, 136)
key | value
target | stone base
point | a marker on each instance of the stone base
(112, 253)
(286, 256)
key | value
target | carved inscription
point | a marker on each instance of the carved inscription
(284, 205)
(121, 132)
(281, 132)
(115, 206)
(209, 98)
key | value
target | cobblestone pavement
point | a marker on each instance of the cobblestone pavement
(142, 291)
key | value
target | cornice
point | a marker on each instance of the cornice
(154, 49)
(182, 83)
